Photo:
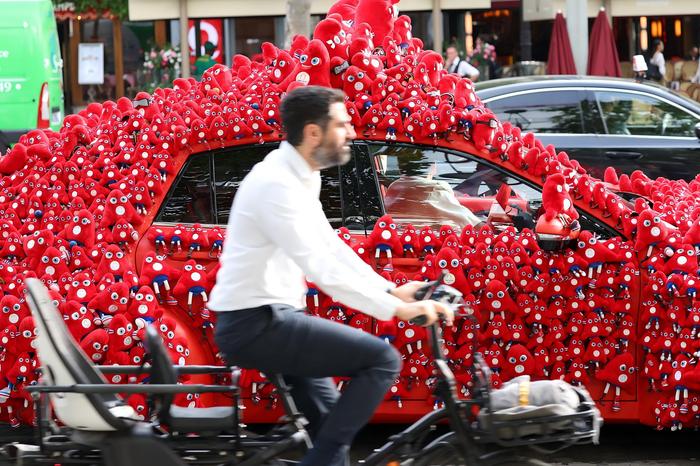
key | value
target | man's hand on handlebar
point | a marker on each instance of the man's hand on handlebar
(432, 310)
(407, 292)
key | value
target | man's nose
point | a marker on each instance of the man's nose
(351, 132)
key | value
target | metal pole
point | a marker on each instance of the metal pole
(437, 26)
(577, 25)
(525, 36)
(184, 45)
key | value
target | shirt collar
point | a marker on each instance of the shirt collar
(296, 162)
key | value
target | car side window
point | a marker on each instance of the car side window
(556, 111)
(627, 113)
(230, 167)
(428, 186)
(204, 191)
(191, 198)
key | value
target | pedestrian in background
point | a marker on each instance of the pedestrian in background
(455, 64)
(657, 62)
(204, 62)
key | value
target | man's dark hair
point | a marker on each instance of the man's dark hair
(307, 105)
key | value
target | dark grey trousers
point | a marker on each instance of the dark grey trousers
(307, 351)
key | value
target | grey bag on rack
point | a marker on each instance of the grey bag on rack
(520, 399)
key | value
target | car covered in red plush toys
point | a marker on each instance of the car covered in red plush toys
(122, 214)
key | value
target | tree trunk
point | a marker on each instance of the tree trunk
(298, 19)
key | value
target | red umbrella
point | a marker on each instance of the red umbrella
(602, 53)
(561, 59)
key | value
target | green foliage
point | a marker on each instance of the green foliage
(118, 8)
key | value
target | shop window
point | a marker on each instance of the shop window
(252, 32)
(137, 36)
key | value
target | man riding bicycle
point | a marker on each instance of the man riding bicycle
(277, 236)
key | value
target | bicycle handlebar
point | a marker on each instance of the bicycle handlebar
(437, 291)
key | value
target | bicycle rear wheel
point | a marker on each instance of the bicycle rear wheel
(516, 460)
(443, 451)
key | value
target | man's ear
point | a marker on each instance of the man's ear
(313, 134)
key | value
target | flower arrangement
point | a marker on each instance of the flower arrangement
(483, 54)
(160, 67)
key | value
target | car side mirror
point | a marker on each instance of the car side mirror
(697, 130)
(556, 234)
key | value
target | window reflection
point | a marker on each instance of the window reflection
(551, 112)
(643, 115)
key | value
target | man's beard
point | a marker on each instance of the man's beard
(327, 155)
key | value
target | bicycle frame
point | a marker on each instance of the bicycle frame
(455, 412)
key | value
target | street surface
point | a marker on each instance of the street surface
(620, 446)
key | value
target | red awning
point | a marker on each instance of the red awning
(561, 58)
(602, 52)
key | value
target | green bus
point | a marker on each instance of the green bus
(31, 82)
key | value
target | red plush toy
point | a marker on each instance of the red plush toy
(619, 372)
(378, 14)
(384, 238)
(651, 232)
(519, 361)
(193, 282)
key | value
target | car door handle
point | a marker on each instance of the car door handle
(622, 154)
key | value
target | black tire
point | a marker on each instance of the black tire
(512, 457)
(442, 451)
(517, 460)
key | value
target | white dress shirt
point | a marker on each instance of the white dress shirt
(658, 60)
(277, 235)
(463, 68)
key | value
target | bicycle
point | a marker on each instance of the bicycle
(182, 436)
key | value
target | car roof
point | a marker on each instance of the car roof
(496, 87)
